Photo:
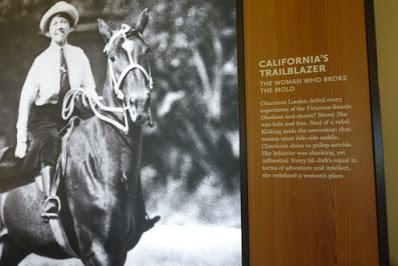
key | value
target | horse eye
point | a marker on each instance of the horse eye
(112, 58)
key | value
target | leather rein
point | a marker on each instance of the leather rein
(95, 102)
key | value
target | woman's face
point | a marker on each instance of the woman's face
(59, 29)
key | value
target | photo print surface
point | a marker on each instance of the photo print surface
(156, 133)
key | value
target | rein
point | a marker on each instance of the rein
(96, 105)
(95, 102)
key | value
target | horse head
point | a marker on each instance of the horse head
(126, 50)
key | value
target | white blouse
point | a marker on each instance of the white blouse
(42, 84)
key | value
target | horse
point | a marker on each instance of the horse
(103, 212)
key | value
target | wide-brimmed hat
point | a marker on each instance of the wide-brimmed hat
(60, 7)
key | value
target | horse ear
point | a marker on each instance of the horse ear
(142, 21)
(104, 30)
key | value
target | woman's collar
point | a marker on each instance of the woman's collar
(56, 47)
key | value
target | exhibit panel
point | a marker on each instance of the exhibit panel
(311, 174)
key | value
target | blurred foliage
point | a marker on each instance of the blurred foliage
(194, 66)
(194, 59)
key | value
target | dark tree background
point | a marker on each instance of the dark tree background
(191, 157)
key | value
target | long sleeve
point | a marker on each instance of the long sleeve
(28, 95)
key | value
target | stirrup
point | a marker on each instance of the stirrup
(48, 214)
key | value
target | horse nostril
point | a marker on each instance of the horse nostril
(134, 102)
(140, 119)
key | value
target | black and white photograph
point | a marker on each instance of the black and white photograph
(119, 133)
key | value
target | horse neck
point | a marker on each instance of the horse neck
(130, 143)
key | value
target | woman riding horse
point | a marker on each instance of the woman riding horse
(54, 72)
(103, 211)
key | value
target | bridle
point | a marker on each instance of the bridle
(95, 102)
(116, 83)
